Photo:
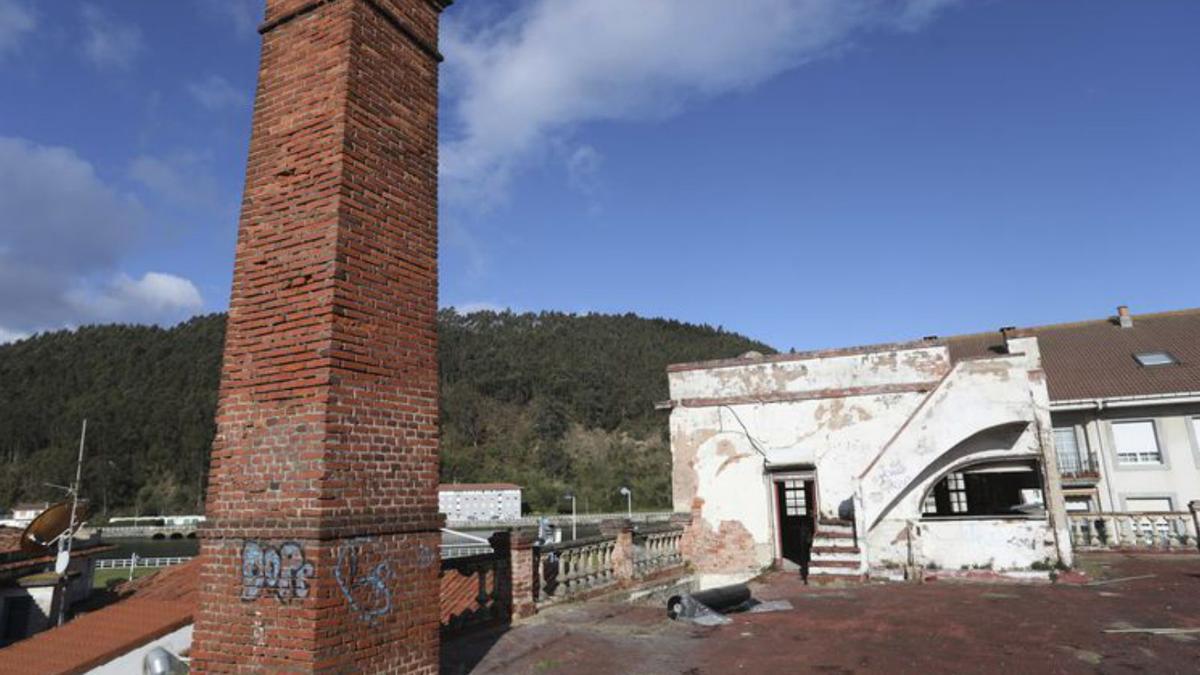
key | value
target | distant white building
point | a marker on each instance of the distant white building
(23, 514)
(479, 502)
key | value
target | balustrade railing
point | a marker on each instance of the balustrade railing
(1133, 531)
(656, 550)
(571, 568)
(475, 590)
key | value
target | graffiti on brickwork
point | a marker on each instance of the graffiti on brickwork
(425, 556)
(279, 571)
(363, 580)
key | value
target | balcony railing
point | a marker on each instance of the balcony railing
(1133, 531)
(1078, 468)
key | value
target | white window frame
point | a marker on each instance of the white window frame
(1137, 457)
(1080, 452)
(1155, 358)
(956, 485)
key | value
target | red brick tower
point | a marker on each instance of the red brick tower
(321, 548)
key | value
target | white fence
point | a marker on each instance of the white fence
(135, 561)
(1133, 531)
(565, 519)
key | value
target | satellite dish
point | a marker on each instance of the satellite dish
(50, 525)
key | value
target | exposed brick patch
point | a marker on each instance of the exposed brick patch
(729, 547)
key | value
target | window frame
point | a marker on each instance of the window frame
(961, 469)
(1121, 464)
(1082, 452)
(1170, 358)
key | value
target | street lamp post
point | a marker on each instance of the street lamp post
(571, 496)
(628, 500)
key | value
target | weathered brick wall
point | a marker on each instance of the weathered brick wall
(321, 548)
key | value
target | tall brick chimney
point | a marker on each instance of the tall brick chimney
(321, 548)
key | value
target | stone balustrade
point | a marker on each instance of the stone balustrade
(573, 568)
(1133, 531)
(656, 550)
(521, 574)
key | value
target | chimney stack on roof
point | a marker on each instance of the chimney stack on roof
(1124, 317)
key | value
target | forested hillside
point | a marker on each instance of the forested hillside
(551, 401)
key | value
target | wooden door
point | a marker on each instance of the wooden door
(795, 506)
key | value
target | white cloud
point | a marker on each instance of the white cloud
(583, 165)
(108, 43)
(180, 177)
(64, 235)
(478, 306)
(215, 93)
(7, 336)
(153, 298)
(17, 21)
(243, 14)
(518, 84)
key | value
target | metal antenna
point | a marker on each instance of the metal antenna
(64, 541)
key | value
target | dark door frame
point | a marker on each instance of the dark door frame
(775, 480)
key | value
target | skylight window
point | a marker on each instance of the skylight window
(1155, 358)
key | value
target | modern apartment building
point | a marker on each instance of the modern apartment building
(1125, 407)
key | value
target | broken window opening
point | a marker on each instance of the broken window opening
(988, 489)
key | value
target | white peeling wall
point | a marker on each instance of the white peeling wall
(723, 441)
(719, 474)
(908, 366)
(978, 544)
(719, 470)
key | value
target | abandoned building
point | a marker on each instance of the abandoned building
(964, 452)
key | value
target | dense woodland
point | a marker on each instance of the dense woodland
(551, 401)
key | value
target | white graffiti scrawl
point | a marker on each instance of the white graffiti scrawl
(281, 571)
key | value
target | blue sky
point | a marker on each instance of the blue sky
(811, 173)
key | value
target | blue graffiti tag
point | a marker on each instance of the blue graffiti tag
(281, 571)
(368, 595)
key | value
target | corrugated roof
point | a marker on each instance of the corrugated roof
(1095, 359)
(160, 604)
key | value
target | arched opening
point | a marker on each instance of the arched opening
(176, 535)
(983, 443)
(159, 535)
(987, 489)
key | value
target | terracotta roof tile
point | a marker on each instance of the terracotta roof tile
(1094, 359)
(10, 539)
(160, 604)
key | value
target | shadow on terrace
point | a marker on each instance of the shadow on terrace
(1129, 612)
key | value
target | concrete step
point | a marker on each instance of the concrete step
(825, 541)
(836, 554)
(822, 522)
(833, 579)
(828, 570)
(839, 548)
(839, 564)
